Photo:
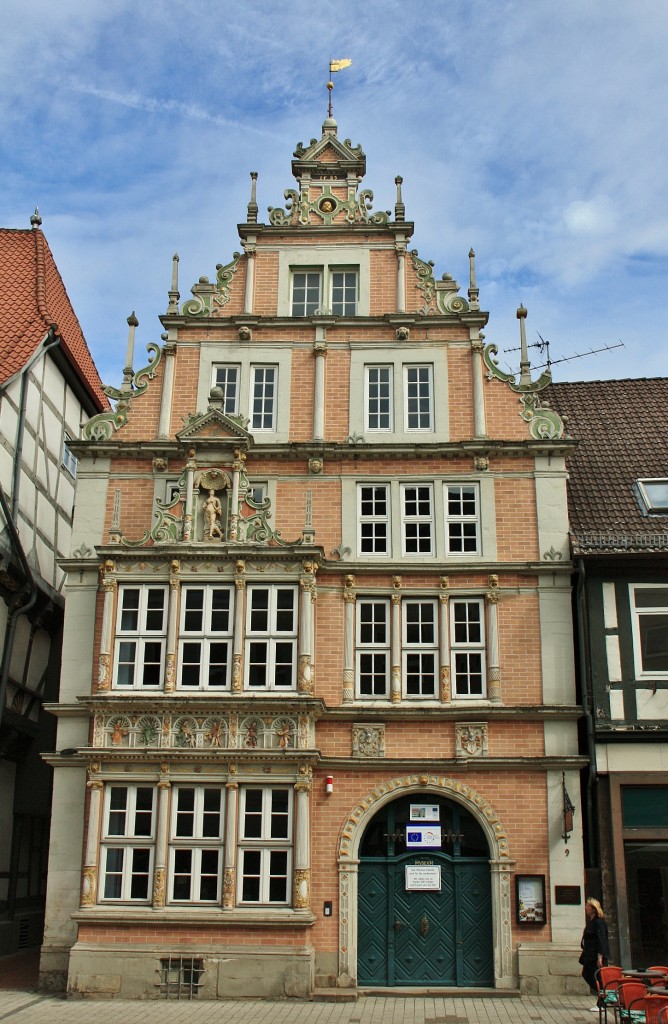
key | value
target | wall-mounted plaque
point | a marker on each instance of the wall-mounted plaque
(423, 876)
(568, 895)
(423, 835)
(424, 812)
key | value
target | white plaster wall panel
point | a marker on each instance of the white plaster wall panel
(566, 859)
(556, 632)
(398, 356)
(651, 705)
(77, 663)
(51, 433)
(6, 470)
(21, 639)
(46, 559)
(91, 502)
(613, 658)
(322, 256)
(561, 739)
(39, 657)
(9, 417)
(616, 705)
(65, 493)
(33, 402)
(43, 472)
(53, 383)
(609, 605)
(64, 872)
(28, 461)
(551, 506)
(46, 516)
(632, 757)
(73, 414)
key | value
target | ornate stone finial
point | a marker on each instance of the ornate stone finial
(128, 372)
(252, 205)
(174, 295)
(474, 291)
(399, 208)
(525, 365)
(35, 220)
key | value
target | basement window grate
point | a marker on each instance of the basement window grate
(180, 977)
(23, 937)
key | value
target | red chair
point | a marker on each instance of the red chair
(607, 982)
(648, 1008)
(631, 991)
(663, 1015)
(661, 982)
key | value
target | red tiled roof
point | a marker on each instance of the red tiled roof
(33, 299)
(622, 430)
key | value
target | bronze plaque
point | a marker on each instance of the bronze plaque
(567, 895)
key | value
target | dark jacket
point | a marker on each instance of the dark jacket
(595, 940)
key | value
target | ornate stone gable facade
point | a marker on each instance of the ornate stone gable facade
(318, 673)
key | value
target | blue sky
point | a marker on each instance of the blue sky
(532, 130)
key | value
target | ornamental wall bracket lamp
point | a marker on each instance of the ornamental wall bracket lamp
(569, 809)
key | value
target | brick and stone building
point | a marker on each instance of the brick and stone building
(318, 689)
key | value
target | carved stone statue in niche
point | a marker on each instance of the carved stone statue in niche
(213, 511)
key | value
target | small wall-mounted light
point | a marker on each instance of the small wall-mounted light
(329, 785)
(327, 908)
(569, 810)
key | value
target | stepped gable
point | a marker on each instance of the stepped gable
(621, 440)
(33, 299)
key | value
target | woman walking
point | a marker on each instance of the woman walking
(595, 950)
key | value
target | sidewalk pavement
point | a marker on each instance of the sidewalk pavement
(22, 1003)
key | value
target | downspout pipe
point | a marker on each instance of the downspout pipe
(50, 341)
(23, 601)
(585, 682)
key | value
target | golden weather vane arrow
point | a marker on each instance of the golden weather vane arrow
(335, 65)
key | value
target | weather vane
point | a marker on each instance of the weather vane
(335, 65)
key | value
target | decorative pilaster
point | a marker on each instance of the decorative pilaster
(307, 588)
(169, 352)
(237, 466)
(444, 643)
(90, 871)
(172, 626)
(480, 425)
(191, 466)
(161, 831)
(493, 670)
(349, 598)
(230, 870)
(250, 278)
(109, 586)
(401, 278)
(395, 654)
(238, 648)
(320, 351)
(301, 884)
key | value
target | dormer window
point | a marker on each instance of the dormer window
(329, 290)
(654, 494)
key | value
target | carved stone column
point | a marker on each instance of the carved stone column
(90, 871)
(395, 656)
(307, 588)
(480, 426)
(172, 626)
(233, 519)
(493, 670)
(401, 278)
(169, 352)
(109, 587)
(301, 884)
(320, 350)
(349, 598)
(230, 861)
(444, 642)
(238, 641)
(161, 833)
(249, 297)
(191, 466)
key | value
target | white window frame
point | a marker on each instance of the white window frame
(264, 845)
(378, 407)
(140, 637)
(421, 649)
(326, 280)
(412, 403)
(418, 522)
(230, 394)
(654, 610)
(128, 843)
(197, 844)
(267, 397)
(374, 520)
(347, 273)
(308, 307)
(377, 650)
(271, 637)
(468, 523)
(206, 637)
(467, 648)
(657, 504)
(69, 461)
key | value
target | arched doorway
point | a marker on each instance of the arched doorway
(424, 911)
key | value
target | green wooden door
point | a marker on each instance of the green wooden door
(423, 937)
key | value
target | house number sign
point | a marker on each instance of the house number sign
(423, 876)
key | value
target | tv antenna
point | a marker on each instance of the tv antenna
(543, 346)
